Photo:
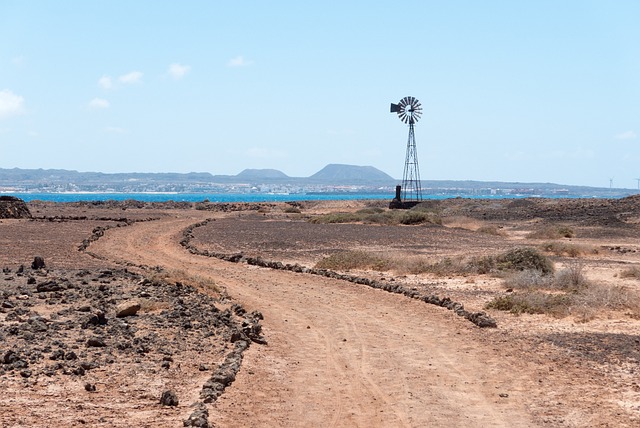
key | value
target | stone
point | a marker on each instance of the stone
(127, 309)
(169, 398)
(48, 286)
(38, 263)
(10, 357)
(199, 417)
(96, 342)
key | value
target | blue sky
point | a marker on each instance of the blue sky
(539, 91)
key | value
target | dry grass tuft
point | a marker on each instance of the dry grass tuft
(150, 306)
(518, 259)
(355, 259)
(532, 302)
(491, 230)
(564, 249)
(374, 215)
(552, 232)
(289, 209)
(569, 292)
(175, 276)
(632, 272)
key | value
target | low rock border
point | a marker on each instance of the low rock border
(481, 319)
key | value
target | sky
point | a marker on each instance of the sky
(538, 91)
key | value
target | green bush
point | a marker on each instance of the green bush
(524, 259)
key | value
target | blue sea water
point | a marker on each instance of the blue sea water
(220, 197)
(194, 197)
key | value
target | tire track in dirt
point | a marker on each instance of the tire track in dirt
(338, 352)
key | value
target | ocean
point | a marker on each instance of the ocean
(236, 197)
(195, 197)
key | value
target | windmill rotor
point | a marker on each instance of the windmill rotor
(409, 110)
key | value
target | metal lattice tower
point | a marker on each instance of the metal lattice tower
(409, 111)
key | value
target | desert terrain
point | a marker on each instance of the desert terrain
(496, 313)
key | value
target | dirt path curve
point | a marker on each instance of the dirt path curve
(339, 354)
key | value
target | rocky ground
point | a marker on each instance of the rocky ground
(125, 326)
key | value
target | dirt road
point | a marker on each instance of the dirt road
(340, 354)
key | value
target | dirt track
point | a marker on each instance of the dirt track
(340, 354)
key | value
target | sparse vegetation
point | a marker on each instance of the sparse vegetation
(356, 259)
(524, 259)
(375, 215)
(184, 278)
(552, 232)
(491, 230)
(632, 272)
(564, 249)
(518, 259)
(532, 302)
(569, 292)
(289, 209)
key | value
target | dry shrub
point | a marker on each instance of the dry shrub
(612, 297)
(552, 232)
(354, 259)
(568, 293)
(632, 272)
(419, 217)
(148, 306)
(376, 215)
(462, 222)
(532, 302)
(528, 279)
(565, 249)
(571, 277)
(289, 209)
(177, 275)
(336, 218)
(491, 230)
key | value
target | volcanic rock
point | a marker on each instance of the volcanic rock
(12, 207)
(169, 398)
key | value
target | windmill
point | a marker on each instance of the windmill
(409, 193)
(638, 180)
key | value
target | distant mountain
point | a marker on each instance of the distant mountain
(332, 178)
(350, 173)
(261, 174)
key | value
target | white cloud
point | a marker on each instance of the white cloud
(133, 77)
(10, 104)
(628, 135)
(178, 71)
(239, 61)
(98, 103)
(105, 82)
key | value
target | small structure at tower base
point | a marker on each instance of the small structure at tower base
(397, 203)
